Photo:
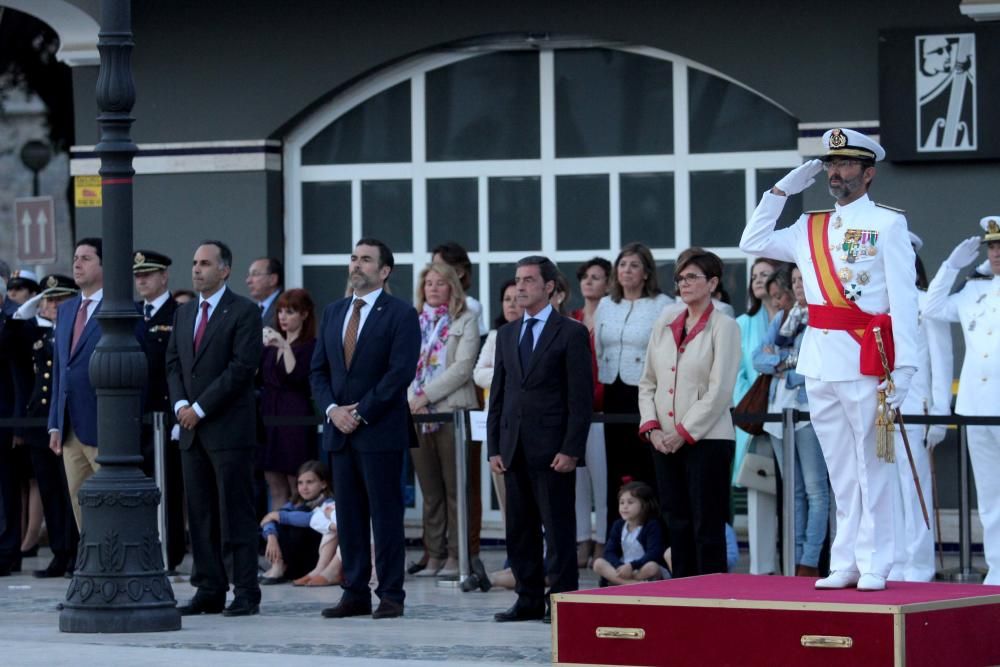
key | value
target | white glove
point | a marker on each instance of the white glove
(901, 382)
(28, 309)
(935, 434)
(800, 178)
(175, 432)
(965, 253)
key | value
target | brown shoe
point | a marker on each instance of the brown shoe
(302, 581)
(806, 571)
(318, 581)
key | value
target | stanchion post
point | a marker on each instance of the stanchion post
(788, 491)
(160, 476)
(461, 494)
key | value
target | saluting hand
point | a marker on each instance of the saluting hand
(798, 179)
(965, 253)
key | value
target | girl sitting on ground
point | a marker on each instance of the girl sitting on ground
(329, 569)
(634, 550)
(291, 543)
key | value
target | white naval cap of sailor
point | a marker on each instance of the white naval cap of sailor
(916, 242)
(990, 225)
(841, 142)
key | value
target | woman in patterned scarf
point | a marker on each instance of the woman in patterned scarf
(443, 383)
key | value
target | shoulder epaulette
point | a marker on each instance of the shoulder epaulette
(824, 210)
(891, 208)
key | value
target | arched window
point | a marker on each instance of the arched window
(566, 152)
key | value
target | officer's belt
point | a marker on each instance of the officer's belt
(851, 319)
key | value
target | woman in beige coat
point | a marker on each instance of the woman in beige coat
(684, 397)
(443, 383)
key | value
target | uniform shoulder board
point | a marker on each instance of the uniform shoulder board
(823, 210)
(891, 208)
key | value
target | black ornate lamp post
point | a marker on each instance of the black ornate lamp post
(119, 584)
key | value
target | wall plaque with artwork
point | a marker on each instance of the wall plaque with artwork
(939, 91)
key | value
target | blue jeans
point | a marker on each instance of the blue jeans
(812, 495)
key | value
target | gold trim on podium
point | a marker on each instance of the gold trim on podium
(620, 633)
(826, 641)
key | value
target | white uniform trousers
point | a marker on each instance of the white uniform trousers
(864, 487)
(762, 518)
(914, 560)
(984, 451)
(592, 489)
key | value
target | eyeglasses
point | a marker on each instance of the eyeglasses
(688, 278)
(840, 164)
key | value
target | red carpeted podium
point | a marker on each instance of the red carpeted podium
(739, 619)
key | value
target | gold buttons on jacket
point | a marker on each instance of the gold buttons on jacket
(45, 387)
(46, 376)
(49, 363)
(45, 401)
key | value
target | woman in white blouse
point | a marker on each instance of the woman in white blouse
(623, 323)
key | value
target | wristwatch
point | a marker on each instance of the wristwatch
(357, 417)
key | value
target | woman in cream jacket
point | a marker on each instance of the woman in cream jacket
(684, 399)
(443, 383)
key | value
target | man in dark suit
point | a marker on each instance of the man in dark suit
(539, 416)
(265, 280)
(73, 413)
(150, 272)
(366, 356)
(10, 486)
(212, 357)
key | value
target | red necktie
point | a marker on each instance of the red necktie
(200, 331)
(79, 324)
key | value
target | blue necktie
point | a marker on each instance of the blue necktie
(527, 344)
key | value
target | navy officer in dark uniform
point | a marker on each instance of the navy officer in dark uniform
(150, 270)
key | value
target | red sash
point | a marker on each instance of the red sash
(841, 314)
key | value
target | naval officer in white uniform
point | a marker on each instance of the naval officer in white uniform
(856, 262)
(930, 394)
(976, 307)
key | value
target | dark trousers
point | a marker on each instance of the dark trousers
(370, 497)
(219, 486)
(694, 499)
(627, 454)
(56, 506)
(538, 497)
(10, 503)
(299, 549)
(173, 494)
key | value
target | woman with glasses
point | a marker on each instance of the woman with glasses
(684, 397)
(623, 322)
(762, 508)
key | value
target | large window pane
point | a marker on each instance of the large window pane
(647, 209)
(582, 212)
(718, 208)
(401, 282)
(726, 117)
(387, 213)
(484, 108)
(515, 213)
(453, 212)
(377, 130)
(326, 284)
(665, 270)
(326, 217)
(612, 103)
(766, 178)
(734, 282)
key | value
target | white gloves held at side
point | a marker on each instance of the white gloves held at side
(935, 434)
(800, 178)
(965, 253)
(901, 378)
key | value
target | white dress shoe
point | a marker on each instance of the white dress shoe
(839, 579)
(871, 582)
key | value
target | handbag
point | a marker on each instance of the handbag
(757, 473)
(754, 402)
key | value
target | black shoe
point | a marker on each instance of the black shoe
(547, 618)
(30, 553)
(347, 608)
(479, 570)
(413, 568)
(271, 581)
(241, 606)
(388, 609)
(521, 613)
(203, 604)
(56, 568)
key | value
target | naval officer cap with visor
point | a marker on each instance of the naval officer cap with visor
(844, 144)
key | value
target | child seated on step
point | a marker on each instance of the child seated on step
(634, 548)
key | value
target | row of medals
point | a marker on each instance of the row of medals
(857, 243)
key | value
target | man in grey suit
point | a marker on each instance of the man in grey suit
(212, 357)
